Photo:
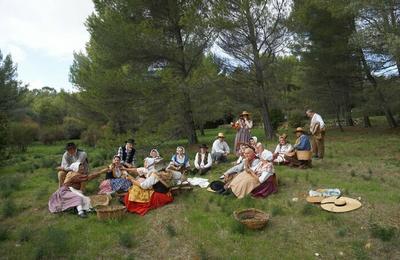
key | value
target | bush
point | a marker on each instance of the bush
(73, 128)
(23, 134)
(3, 233)
(296, 119)
(277, 117)
(49, 135)
(91, 135)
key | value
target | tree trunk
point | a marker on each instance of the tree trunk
(202, 130)
(268, 130)
(188, 117)
(338, 119)
(388, 113)
(367, 122)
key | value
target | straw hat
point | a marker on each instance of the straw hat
(342, 204)
(221, 135)
(245, 113)
(315, 199)
(299, 129)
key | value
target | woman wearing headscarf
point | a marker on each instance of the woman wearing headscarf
(179, 162)
(243, 126)
(153, 192)
(149, 164)
(116, 178)
(69, 194)
(282, 149)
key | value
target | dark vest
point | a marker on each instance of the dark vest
(125, 157)
(205, 158)
(160, 187)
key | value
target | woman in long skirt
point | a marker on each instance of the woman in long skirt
(243, 127)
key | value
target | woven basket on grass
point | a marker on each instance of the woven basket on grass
(110, 212)
(99, 200)
(304, 155)
(252, 218)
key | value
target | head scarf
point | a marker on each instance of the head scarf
(158, 154)
(181, 147)
(266, 155)
(254, 138)
(75, 166)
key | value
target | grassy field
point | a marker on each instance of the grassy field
(363, 163)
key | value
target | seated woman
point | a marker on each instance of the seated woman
(69, 195)
(153, 192)
(179, 162)
(252, 177)
(302, 144)
(116, 178)
(253, 142)
(149, 164)
(240, 159)
(281, 149)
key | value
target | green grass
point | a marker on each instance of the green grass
(362, 163)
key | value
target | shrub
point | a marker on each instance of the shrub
(381, 232)
(91, 135)
(51, 134)
(296, 119)
(3, 233)
(277, 117)
(23, 134)
(73, 127)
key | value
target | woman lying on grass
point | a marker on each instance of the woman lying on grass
(115, 178)
(152, 192)
(69, 195)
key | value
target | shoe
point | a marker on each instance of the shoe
(91, 210)
(82, 215)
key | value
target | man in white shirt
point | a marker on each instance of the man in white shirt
(203, 160)
(317, 129)
(220, 149)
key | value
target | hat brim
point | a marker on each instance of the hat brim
(314, 199)
(210, 190)
(329, 205)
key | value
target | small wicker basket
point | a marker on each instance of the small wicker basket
(110, 212)
(252, 218)
(304, 155)
(99, 200)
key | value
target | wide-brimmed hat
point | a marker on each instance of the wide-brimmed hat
(216, 186)
(342, 204)
(299, 129)
(221, 135)
(245, 113)
(203, 146)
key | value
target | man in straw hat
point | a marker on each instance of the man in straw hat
(220, 149)
(202, 160)
(317, 129)
(302, 144)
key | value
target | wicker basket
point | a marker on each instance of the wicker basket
(252, 218)
(303, 155)
(99, 200)
(110, 212)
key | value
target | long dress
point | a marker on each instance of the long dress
(114, 182)
(242, 134)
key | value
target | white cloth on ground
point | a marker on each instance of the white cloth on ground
(85, 200)
(203, 183)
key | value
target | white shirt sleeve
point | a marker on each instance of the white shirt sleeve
(149, 182)
(277, 149)
(320, 121)
(64, 163)
(196, 158)
(214, 148)
(249, 124)
(264, 176)
(236, 168)
(209, 161)
(226, 147)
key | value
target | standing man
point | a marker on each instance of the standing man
(220, 149)
(127, 154)
(317, 129)
(71, 155)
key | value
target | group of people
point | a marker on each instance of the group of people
(148, 187)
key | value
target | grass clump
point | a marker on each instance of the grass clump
(24, 235)
(277, 210)
(238, 228)
(3, 233)
(8, 209)
(171, 231)
(308, 210)
(8, 185)
(341, 231)
(381, 232)
(126, 240)
(55, 243)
